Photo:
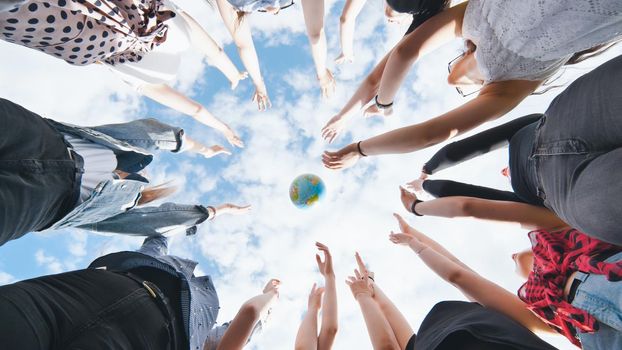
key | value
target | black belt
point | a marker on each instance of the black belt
(573, 289)
(577, 282)
(163, 304)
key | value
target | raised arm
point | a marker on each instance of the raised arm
(378, 328)
(174, 99)
(329, 327)
(168, 218)
(347, 22)
(306, 338)
(241, 328)
(527, 215)
(363, 94)
(241, 32)
(399, 325)
(214, 53)
(476, 145)
(495, 100)
(313, 11)
(433, 33)
(472, 285)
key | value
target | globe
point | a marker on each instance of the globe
(306, 190)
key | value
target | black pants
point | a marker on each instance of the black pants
(37, 175)
(84, 309)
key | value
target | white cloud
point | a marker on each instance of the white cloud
(276, 239)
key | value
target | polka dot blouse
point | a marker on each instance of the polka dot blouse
(82, 32)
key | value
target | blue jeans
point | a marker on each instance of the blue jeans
(578, 153)
(603, 300)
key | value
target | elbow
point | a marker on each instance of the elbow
(331, 330)
(464, 207)
(250, 311)
(315, 35)
(455, 276)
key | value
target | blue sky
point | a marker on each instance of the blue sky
(276, 239)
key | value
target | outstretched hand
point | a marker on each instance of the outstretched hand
(408, 239)
(215, 150)
(229, 208)
(261, 97)
(343, 58)
(360, 284)
(408, 198)
(344, 158)
(333, 128)
(233, 138)
(327, 84)
(417, 184)
(272, 286)
(326, 266)
(404, 226)
(362, 267)
(315, 298)
(236, 81)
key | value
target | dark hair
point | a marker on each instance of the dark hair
(576, 58)
(589, 53)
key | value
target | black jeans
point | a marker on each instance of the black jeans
(84, 309)
(37, 175)
(578, 153)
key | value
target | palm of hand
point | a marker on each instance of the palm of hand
(408, 198)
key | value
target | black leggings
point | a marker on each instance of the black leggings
(84, 309)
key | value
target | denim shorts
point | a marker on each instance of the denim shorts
(603, 300)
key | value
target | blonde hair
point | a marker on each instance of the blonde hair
(154, 193)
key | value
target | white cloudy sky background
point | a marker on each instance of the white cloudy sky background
(276, 239)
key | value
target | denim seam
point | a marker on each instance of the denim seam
(101, 315)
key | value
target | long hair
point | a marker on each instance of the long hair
(576, 58)
(589, 53)
(154, 193)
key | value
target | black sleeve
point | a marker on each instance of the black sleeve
(476, 145)
(422, 10)
(447, 188)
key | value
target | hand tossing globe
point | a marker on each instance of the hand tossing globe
(306, 190)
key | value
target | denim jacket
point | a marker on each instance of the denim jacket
(199, 301)
(112, 204)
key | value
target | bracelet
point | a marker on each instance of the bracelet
(371, 278)
(412, 207)
(382, 106)
(214, 209)
(358, 147)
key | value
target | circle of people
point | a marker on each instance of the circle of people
(562, 167)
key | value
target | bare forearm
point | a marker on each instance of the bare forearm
(208, 46)
(400, 326)
(527, 215)
(329, 327)
(378, 327)
(365, 92)
(433, 33)
(241, 328)
(306, 338)
(347, 23)
(249, 58)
